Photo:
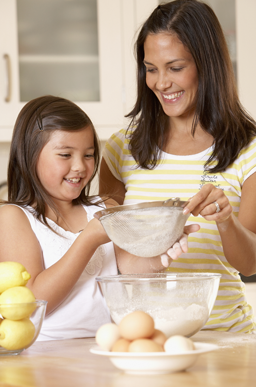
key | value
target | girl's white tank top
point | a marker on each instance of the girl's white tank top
(84, 310)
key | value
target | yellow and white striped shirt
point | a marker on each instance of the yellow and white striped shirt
(183, 176)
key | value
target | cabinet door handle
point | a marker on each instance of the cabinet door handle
(9, 78)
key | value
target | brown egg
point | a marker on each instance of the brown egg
(145, 345)
(159, 337)
(107, 335)
(136, 325)
(121, 345)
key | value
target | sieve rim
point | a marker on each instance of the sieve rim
(172, 202)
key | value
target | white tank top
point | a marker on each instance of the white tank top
(84, 310)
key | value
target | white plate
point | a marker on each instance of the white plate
(154, 362)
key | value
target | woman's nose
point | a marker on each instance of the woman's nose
(163, 81)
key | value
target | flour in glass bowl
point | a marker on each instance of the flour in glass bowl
(174, 321)
(186, 323)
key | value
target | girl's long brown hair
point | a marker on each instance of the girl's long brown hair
(38, 119)
(218, 109)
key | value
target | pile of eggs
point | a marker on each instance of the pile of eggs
(136, 333)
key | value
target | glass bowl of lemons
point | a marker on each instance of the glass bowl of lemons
(21, 315)
(21, 327)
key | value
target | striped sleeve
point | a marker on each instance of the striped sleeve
(113, 151)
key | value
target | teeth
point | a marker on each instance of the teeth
(73, 180)
(174, 95)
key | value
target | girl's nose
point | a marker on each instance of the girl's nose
(163, 82)
(78, 165)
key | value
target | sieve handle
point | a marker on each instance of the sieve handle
(170, 202)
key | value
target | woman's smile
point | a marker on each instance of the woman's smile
(173, 97)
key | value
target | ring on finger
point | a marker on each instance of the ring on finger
(217, 207)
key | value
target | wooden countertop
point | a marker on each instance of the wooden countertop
(69, 363)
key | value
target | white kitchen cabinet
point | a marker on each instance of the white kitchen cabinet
(8, 67)
(107, 68)
(54, 47)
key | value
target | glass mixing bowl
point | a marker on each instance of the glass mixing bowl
(17, 335)
(180, 304)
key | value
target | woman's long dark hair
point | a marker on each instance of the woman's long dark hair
(218, 109)
(37, 120)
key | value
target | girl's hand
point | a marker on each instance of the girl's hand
(211, 203)
(97, 232)
(179, 247)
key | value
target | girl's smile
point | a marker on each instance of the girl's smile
(66, 163)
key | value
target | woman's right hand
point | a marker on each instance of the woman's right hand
(179, 247)
(211, 203)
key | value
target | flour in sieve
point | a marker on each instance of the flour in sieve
(147, 232)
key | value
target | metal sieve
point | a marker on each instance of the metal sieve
(146, 229)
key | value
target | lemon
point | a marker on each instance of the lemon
(12, 274)
(15, 303)
(16, 334)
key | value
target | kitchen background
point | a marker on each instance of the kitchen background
(83, 50)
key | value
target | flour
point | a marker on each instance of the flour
(229, 340)
(174, 321)
(186, 322)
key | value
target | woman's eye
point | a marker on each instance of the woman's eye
(176, 69)
(149, 70)
(89, 156)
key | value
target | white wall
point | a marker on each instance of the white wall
(4, 157)
(246, 53)
(250, 291)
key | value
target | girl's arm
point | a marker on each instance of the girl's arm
(238, 235)
(19, 243)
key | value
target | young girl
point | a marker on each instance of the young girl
(50, 228)
(54, 157)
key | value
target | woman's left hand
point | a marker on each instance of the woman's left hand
(211, 203)
(179, 247)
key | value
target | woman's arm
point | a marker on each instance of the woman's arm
(19, 243)
(109, 185)
(238, 235)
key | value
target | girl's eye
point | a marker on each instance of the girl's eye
(65, 155)
(89, 156)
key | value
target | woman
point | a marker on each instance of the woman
(190, 137)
